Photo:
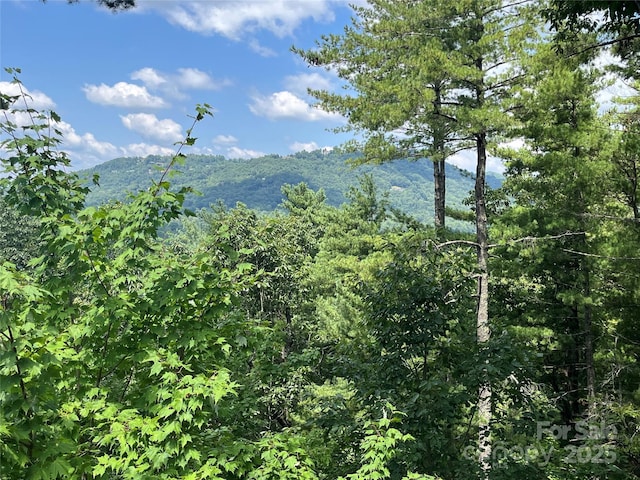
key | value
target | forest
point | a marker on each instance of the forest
(349, 341)
(257, 182)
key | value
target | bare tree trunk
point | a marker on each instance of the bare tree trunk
(439, 190)
(439, 177)
(588, 346)
(482, 315)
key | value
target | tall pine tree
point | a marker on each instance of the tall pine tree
(440, 70)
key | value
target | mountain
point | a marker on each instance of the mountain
(257, 182)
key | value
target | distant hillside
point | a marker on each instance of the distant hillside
(257, 182)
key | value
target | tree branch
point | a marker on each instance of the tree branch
(604, 44)
(454, 242)
(536, 239)
(606, 257)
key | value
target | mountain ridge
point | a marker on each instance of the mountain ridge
(257, 182)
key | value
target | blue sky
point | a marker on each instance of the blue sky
(124, 83)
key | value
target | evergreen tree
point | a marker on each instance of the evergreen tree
(560, 271)
(395, 59)
(460, 56)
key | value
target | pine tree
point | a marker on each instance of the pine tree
(394, 58)
(441, 70)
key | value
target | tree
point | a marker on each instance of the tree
(487, 35)
(389, 57)
(421, 352)
(561, 113)
(620, 17)
(112, 346)
(627, 156)
(563, 273)
(616, 22)
(115, 359)
(18, 237)
(114, 5)
(304, 370)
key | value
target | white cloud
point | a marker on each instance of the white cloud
(235, 152)
(232, 151)
(149, 126)
(173, 84)
(195, 79)
(225, 140)
(300, 83)
(287, 105)
(22, 118)
(261, 50)
(144, 149)
(123, 94)
(467, 161)
(150, 77)
(85, 150)
(86, 142)
(306, 147)
(35, 98)
(231, 18)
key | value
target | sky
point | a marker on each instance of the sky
(125, 83)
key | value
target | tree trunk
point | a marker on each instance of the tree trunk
(439, 165)
(482, 314)
(588, 345)
(439, 191)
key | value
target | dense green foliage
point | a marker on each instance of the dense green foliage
(127, 356)
(615, 23)
(432, 78)
(616, 18)
(332, 339)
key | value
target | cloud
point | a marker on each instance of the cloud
(123, 94)
(149, 126)
(300, 83)
(261, 50)
(285, 104)
(86, 142)
(150, 77)
(306, 147)
(85, 150)
(232, 19)
(235, 152)
(225, 140)
(173, 84)
(35, 98)
(309, 147)
(232, 151)
(467, 161)
(195, 79)
(144, 150)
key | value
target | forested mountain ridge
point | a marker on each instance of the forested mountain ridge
(257, 182)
